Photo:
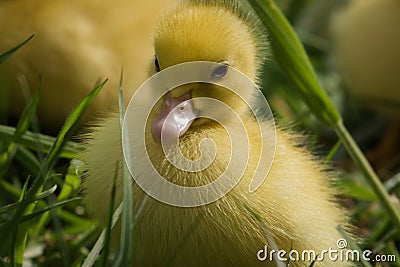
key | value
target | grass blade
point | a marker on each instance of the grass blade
(369, 173)
(332, 152)
(22, 127)
(353, 245)
(70, 185)
(29, 140)
(91, 258)
(107, 238)
(44, 194)
(7, 54)
(28, 159)
(20, 236)
(41, 178)
(267, 232)
(124, 257)
(32, 215)
(69, 125)
(293, 59)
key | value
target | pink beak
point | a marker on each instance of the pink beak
(178, 122)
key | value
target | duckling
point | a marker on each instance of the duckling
(76, 45)
(296, 202)
(367, 41)
(366, 45)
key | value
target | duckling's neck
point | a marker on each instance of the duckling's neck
(208, 142)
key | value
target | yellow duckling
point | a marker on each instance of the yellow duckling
(296, 202)
(367, 41)
(76, 45)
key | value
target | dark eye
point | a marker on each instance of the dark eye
(221, 70)
(156, 65)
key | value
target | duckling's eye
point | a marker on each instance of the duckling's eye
(221, 70)
(156, 65)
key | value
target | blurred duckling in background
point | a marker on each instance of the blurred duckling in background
(296, 202)
(366, 36)
(367, 47)
(76, 45)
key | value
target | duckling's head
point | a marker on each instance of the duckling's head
(215, 31)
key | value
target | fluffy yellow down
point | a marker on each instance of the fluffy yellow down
(76, 45)
(296, 202)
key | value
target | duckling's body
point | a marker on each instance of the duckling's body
(296, 201)
(76, 45)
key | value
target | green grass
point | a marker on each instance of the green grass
(43, 219)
